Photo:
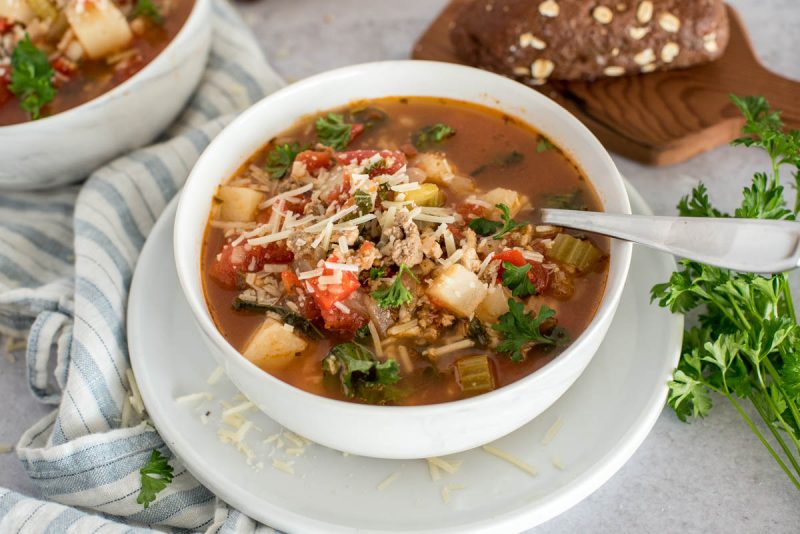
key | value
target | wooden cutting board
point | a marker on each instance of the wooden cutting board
(659, 118)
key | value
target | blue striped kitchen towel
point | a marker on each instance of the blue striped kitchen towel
(66, 261)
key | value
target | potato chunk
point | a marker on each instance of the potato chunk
(16, 11)
(426, 195)
(493, 305)
(272, 346)
(99, 25)
(458, 290)
(239, 204)
(435, 166)
(510, 198)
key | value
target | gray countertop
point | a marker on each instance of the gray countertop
(710, 476)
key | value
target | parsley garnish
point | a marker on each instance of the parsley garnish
(521, 330)
(485, 227)
(509, 224)
(543, 145)
(430, 135)
(146, 8)
(377, 272)
(155, 476)
(31, 77)
(280, 159)
(333, 131)
(477, 333)
(359, 371)
(396, 294)
(364, 201)
(516, 279)
(747, 343)
(372, 167)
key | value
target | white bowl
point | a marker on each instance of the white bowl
(396, 431)
(68, 146)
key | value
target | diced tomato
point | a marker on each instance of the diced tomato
(290, 281)
(329, 294)
(393, 158)
(336, 319)
(298, 207)
(315, 160)
(513, 257)
(538, 275)
(471, 211)
(5, 25)
(458, 233)
(243, 258)
(355, 130)
(340, 193)
(65, 66)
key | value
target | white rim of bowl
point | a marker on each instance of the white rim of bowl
(192, 20)
(607, 307)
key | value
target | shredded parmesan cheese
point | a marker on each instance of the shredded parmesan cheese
(376, 339)
(445, 219)
(453, 258)
(388, 481)
(286, 467)
(452, 347)
(286, 194)
(485, 263)
(313, 273)
(400, 328)
(192, 397)
(352, 223)
(448, 488)
(277, 236)
(552, 432)
(341, 266)
(447, 467)
(275, 267)
(215, 375)
(238, 409)
(402, 188)
(513, 460)
(449, 242)
(557, 463)
(341, 307)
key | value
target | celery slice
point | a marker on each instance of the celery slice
(427, 195)
(579, 253)
(475, 375)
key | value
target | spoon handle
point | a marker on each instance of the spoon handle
(748, 245)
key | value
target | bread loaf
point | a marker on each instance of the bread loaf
(535, 40)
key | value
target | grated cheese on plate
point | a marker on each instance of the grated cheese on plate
(510, 458)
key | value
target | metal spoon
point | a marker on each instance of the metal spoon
(748, 245)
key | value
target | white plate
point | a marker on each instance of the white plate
(606, 415)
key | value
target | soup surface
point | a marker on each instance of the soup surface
(382, 253)
(58, 54)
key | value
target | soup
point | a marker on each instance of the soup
(58, 54)
(383, 253)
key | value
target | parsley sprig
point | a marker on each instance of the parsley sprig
(333, 131)
(396, 294)
(485, 227)
(746, 346)
(521, 331)
(431, 135)
(517, 280)
(31, 77)
(280, 159)
(155, 476)
(148, 9)
(361, 374)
